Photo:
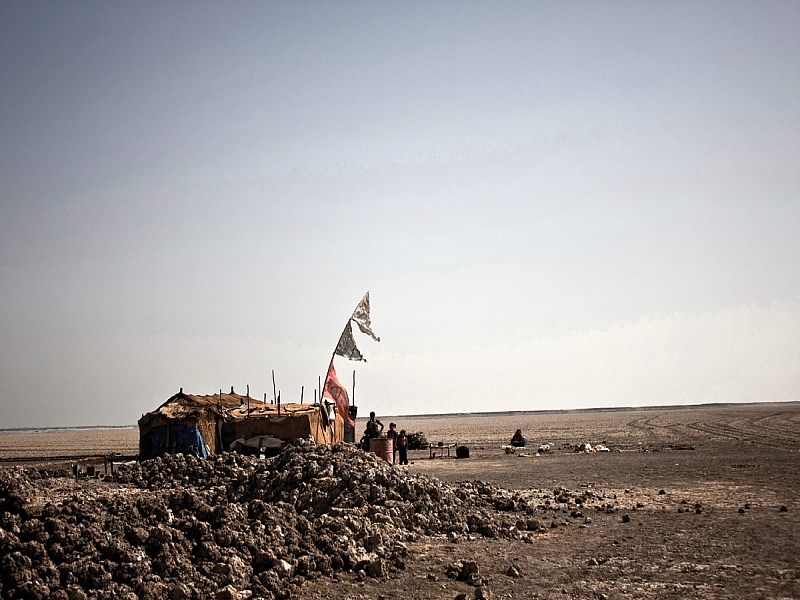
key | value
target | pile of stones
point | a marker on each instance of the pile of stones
(417, 441)
(235, 527)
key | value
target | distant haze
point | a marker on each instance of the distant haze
(553, 205)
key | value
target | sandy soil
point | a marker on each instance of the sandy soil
(737, 464)
(699, 502)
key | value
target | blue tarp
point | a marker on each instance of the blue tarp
(181, 438)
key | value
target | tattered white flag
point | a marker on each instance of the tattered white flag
(361, 317)
(347, 345)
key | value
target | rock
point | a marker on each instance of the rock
(468, 567)
(181, 592)
(375, 568)
(454, 570)
(474, 579)
(482, 593)
(783, 508)
(76, 593)
(228, 593)
(513, 571)
(282, 569)
(179, 527)
(626, 518)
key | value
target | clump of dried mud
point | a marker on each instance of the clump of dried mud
(238, 527)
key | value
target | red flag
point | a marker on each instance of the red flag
(336, 392)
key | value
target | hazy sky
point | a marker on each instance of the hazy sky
(553, 204)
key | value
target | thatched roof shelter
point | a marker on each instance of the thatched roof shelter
(214, 423)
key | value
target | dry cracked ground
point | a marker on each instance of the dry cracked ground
(690, 503)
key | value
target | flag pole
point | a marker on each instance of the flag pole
(333, 355)
(353, 314)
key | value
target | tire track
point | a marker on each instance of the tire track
(643, 424)
(782, 429)
(727, 431)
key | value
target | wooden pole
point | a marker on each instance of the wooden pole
(337, 346)
(301, 393)
(248, 400)
(274, 393)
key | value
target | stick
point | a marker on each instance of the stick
(274, 393)
(301, 394)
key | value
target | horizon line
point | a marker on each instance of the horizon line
(455, 414)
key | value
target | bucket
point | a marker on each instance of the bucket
(382, 447)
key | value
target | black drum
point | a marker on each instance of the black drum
(462, 452)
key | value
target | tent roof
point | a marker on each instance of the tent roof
(183, 405)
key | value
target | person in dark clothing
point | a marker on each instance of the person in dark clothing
(402, 446)
(374, 427)
(519, 440)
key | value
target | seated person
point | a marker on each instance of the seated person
(519, 440)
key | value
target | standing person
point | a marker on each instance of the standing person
(402, 446)
(392, 435)
(374, 427)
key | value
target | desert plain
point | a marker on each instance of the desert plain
(690, 502)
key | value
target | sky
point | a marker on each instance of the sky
(553, 205)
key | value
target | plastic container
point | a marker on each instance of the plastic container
(383, 448)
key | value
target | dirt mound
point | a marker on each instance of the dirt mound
(236, 526)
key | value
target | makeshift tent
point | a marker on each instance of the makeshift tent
(203, 425)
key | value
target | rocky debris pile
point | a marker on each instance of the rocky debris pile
(417, 441)
(236, 527)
